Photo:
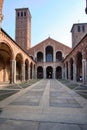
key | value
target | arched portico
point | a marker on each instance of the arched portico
(5, 62)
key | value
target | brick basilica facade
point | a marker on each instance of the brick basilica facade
(48, 59)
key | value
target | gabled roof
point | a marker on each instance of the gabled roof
(49, 39)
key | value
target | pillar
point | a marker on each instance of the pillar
(53, 72)
(23, 72)
(13, 71)
(35, 72)
(69, 70)
(74, 72)
(84, 70)
(44, 58)
(65, 71)
(44, 72)
(28, 72)
(54, 55)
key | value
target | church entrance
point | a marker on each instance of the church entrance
(49, 72)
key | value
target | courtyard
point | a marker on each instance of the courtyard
(45, 105)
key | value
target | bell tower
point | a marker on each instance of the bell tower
(1, 15)
(86, 7)
(23, 28)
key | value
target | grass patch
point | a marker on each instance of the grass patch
(68, 83)
(11, 88)
(83, 94)
(6, 93)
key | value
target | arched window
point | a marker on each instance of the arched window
(49, 54)
(58, 56)
(40, 57)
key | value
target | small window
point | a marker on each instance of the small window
(21, 13)
(24, 13)
(78, 28)
(18, 14)
(83, 28)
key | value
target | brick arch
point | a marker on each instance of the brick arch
(49, 72)
(6, 55)
(19, 63)
(40, 72)
(26, 69)
(10, 48)
(20, 56)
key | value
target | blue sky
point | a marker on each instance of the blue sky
(52, 18)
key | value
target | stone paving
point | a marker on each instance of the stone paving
(46, 105)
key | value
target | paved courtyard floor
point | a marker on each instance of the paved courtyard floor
(46, 105)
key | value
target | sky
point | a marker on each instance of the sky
(50, 18)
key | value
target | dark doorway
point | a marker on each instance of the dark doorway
(39, 72)
(49, 72)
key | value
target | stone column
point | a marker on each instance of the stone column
(23, 72)
(13, 71)
(35, 72)
(32, 71)
(44, 72)
(74, 72)
(54, 73)
(65, 71)
(44, 58)
(84, 70)
(54, 55)
(28, 72)
(69, 70)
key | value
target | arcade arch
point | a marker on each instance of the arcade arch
(40, 72)
(59, 72)
(49, 72)
(5, 60)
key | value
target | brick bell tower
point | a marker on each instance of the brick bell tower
(1, 15)
(23, 28)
